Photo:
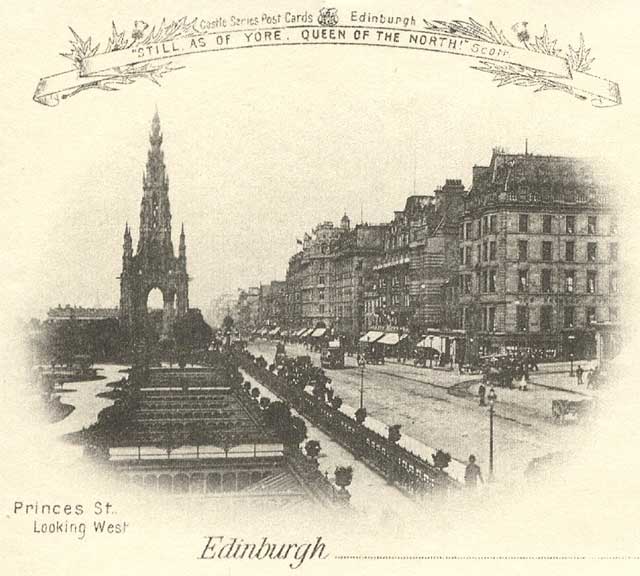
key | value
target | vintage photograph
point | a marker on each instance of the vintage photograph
(296, 287)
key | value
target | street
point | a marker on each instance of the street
(440, 409)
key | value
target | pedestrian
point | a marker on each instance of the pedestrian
(589, 378)
(472, 473)
(579, 373)
(481, 393)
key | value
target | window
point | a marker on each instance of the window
(545, 280)
(461, 231)
(523, 249)
(485, 225)
(485, 316)
(590, 315)
(491, 320)
(467, 284)
(546, 224)
(492, 250)
(492, 280)
(569, 316)
(613, 282)
(467, 255)
(570, 224)
(613, 314)
(492, 223)
(546, 250)
(478, 228)
(546, 318)
(569, 281)
(321, 308)
(522, 318)
(523, 223)
(523, 280)
(478, 251)
(592, 251)
(485, 252)
(592, 278)
(613, 251)
(592, 222)
(613, 224)
(320, 279)
(461, 255)
(321, 295)
(569, 251)
(485, 280)
(467, 231)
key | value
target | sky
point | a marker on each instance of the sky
(261, 145)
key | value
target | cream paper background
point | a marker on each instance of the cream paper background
(71, 177)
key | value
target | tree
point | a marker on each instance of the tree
(441, 459)
(312, 448)
(170, 438)
(264, 402)
(336, 402)
(291, 430)
(361, 415)
(344, 476)
(255, 392)
(247, 386)
(197, 436)
(394, 433)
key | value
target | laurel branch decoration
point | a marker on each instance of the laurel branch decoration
(578, 59)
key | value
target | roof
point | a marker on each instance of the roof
(392, 338)
(372, 336)
(549, 178)
(171, 407)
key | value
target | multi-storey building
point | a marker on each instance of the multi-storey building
(538, 255)
(310, 277)
(404, 292)
(271, 304)
(246, 313)
(357, 251)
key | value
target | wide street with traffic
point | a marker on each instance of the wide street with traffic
(440, 409)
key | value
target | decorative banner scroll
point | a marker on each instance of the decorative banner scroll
(152, 53)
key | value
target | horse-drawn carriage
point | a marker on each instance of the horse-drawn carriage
(573, 409)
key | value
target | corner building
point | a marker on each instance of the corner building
(537, 256)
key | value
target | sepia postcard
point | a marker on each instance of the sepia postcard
(320, 287)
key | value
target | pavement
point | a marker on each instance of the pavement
(440, 409)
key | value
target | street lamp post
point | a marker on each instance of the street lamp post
(361, 362)
(571, 338)
(492, 396)
(430, 351)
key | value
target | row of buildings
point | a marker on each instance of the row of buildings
(527, 257)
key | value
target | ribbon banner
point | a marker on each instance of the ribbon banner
(153, 52)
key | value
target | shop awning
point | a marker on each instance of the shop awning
(274, 332)
(306, 332)
(334, 344)
(372, 336)
(436, 342)
(318, 332)
(392, 338)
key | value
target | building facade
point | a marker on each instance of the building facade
(404, 292)
(271, 304)
(538, 256)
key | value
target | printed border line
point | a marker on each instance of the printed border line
(486, 557)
